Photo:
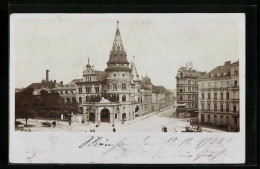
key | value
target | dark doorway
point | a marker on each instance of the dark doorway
(105, 114)
(91, 116)
(202, 118)
(123, 116)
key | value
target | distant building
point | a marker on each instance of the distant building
(219, 95)
(67, 91)
(46, 85)
(187, 87)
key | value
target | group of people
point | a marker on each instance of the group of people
(164, 128)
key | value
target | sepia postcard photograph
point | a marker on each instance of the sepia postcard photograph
(127, 88)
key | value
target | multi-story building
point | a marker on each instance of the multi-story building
(116, 94)
(219, 96)
(187, 87)
(67, 91)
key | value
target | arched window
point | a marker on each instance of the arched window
(123, 86)
(80, 100)
(115, 115)
(124, 98)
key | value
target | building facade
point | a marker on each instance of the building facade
(116, 94)
(187, 87)
(219, 96)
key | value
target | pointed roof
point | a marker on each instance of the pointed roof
(117, 44)
(117, 53)
(134, 73)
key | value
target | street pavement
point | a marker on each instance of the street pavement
(152, 122)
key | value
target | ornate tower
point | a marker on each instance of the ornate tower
(135, 83)
(118, 72)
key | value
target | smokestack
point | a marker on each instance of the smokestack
(47, 75)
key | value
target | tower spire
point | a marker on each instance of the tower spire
(88, 60)
(117, 23)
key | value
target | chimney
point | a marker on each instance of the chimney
(61, 83)
(227, 62)
(54, 81)
(47, 75)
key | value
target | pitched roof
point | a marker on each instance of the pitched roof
(190, 73)
(220, 71)
(43, 84)
(134, 73)
(117, 53)
(160, 89)
(101, 75)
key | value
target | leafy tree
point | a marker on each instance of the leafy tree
(24, 104)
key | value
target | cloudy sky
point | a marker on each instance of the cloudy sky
(161, 43)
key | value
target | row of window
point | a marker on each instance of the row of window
(188, 82)
(190, 97)
(88, 90)
(115, 86)
(66, 92)
(97, 98)
(216, 95)
(218, 84)
(190, 89)
(216, 119)
(234, 108)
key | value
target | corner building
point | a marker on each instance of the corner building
(187, 88)
(219, 96)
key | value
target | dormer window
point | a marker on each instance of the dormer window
(221, 68)
(114, 75)
(123, 75)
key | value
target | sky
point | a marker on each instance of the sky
(161, 43)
